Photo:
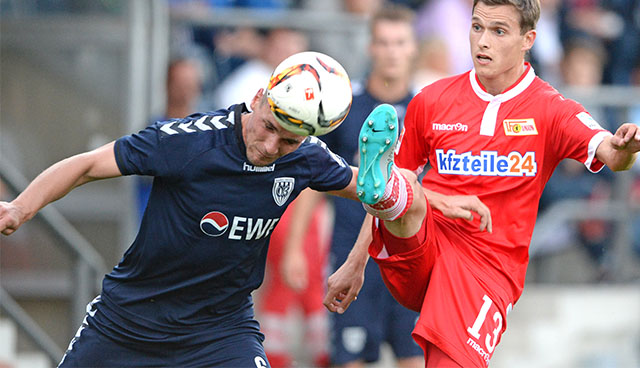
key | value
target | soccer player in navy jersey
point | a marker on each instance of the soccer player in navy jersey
(180, 296)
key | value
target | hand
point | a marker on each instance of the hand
(10, 218)
(294, 269)
(627, 137)
(461, 207)
(343, 287)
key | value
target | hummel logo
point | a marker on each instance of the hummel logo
(247, 167)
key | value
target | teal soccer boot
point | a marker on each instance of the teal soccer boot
(378, 138)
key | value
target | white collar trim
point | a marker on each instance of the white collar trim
(490, 116)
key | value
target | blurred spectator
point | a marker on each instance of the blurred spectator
(448, 20)
(432, 63)
(280, 299)
(624, 50)
(546, 53)
(278, 44)
(230, 48)
(583, 63)
(614, 23)
(184, 78)
(582, 67)
(376, 317)
(183, 88)
(365, 8)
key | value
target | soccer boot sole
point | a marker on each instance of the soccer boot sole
(376, 143)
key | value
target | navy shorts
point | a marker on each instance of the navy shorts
(376, 317)
(91, 348)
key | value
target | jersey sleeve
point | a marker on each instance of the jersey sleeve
(329, 171)
(412, 151)
(577, 134)
(142, 153)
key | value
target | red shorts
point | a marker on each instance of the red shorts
(456, 313)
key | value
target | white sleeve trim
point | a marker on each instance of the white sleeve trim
(593, 146)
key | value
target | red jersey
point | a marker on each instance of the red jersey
(503, 149)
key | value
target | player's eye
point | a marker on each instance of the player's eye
(476, 27)
(291, 141)
(269, 126)
(500, 31)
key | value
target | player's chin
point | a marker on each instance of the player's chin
(256, 158)
(262, 161)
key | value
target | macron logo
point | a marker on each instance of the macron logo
(456, 127)
(251, 168)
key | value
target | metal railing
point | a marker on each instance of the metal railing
(87, 275)
(618, 210)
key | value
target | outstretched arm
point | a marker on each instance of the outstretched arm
(618, 151)
(344, 285)
(55, 182)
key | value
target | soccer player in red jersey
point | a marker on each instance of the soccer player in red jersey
(496, 132)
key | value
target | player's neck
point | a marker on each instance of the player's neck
(496, 85)
(387, 90)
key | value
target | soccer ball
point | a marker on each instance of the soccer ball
(309, 93)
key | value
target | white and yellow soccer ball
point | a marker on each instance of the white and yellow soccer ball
(309, 93)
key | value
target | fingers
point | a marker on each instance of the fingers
(464, 214)
(340, 295)
(474, 204)
(625, 134)
(340, 302)
(486, 222)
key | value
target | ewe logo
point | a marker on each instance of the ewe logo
(214, 223)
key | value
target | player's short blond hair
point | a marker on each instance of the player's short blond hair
(529, 11)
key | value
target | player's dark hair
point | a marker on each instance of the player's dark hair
(392, 13)
(529, 11)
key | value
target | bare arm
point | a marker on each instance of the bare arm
(55, 182)
(350, 190)
(618, 152)
(345, 284)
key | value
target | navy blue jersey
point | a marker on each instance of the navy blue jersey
(202, 244)
(344, 142)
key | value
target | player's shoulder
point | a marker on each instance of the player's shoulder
(313, 144)
(546, 95)
(196, 123)
(315, 149)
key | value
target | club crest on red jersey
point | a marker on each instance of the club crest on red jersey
(214, 223)
(282, 189)
(519, 127)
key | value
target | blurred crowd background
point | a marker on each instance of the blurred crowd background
(75, 74)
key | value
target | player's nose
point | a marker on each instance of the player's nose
(271, 145)
(483, 40)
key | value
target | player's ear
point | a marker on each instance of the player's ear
(528, 40)
(255, 101)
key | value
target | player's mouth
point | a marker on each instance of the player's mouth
(483, 59)
(266, 159)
